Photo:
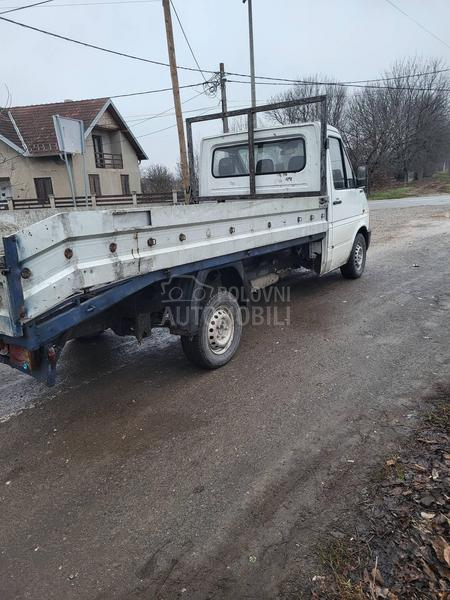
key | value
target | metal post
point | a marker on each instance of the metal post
(176, 98)
(223, 94)
(252, 56)
(69, 174)
(83, 163)
(251, 153)
(323, 146)
(190, 145)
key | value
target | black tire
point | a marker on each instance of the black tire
(354, 267)
(204, 349)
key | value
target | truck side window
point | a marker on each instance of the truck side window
(350, 177)
(337, 165)
(281, 156)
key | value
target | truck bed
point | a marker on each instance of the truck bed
(72, 254)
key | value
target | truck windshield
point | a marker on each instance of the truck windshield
(281, 156)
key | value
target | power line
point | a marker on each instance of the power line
(395, 78)
(192, 69)
(418, 23)
(163, 129)
(86, 3)
(350, 85)
(131, 118)
(186, 38)
(26, 6)
(95, 47)
(167, 110)
(168, 89)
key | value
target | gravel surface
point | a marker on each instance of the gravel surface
(139, 476)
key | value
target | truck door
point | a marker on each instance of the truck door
(346, 203)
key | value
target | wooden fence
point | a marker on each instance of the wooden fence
(93, 201)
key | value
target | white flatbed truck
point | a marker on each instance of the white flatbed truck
(269, 200)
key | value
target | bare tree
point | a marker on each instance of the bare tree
(158, 179)
(337, 98)
(402, 124)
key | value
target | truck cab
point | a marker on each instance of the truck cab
(287, 161)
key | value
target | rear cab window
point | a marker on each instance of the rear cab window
(271, 157)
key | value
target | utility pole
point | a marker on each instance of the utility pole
(176, 98)
(252, 54)
(223, 94)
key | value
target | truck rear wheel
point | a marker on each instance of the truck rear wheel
(219, 333)
(354, 267)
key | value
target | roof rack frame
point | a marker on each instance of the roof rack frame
(250, 112)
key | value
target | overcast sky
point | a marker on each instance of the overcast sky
(344, 39)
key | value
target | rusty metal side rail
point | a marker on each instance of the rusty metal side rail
(250, 112)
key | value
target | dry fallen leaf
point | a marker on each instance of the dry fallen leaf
(419, 467)
(440, 546)
(427, 515)
(446, 554)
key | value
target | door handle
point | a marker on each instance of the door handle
(337, 202)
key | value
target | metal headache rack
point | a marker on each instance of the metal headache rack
(250, 113)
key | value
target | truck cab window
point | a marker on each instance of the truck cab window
(337, 164)
(281, 156)
(350, 177)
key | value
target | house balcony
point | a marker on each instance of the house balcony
(105, 160)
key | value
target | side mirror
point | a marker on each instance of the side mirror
(362, 177)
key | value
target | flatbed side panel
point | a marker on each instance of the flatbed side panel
(73, 252)
(47, 329)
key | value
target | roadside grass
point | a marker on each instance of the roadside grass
(393, 193)
(340, 559)
(439, 183)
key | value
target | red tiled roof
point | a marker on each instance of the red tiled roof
(35, 123)
(7, 128)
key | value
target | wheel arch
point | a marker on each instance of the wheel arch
(232, 278)
(366, 233)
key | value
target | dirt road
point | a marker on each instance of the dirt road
(140, 477)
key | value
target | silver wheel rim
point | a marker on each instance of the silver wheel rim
(220, 330)
(359, 256)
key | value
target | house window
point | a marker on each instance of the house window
(94, 185)
(44, 187)
(98, 151)
(125, 181)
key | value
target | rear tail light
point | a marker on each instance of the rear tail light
(21, 358)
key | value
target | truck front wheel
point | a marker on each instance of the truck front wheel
(219, 332)
(354, 267)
